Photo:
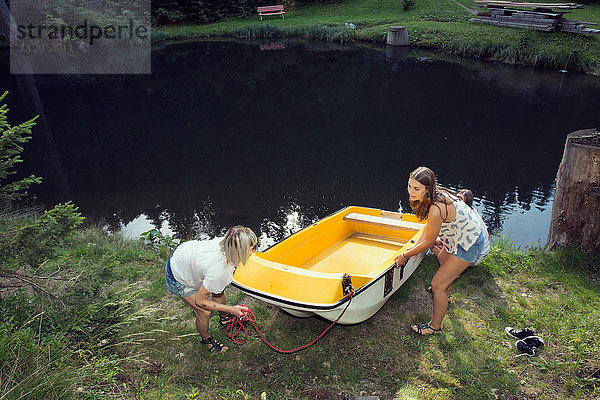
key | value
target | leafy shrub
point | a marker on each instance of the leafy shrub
(45, 234)
(12, 139)
(408, 4)
(165, 245)
(163, 16)
(202, 12)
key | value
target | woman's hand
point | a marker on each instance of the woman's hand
(239, 310)
(401, 260)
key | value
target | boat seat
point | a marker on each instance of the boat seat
(393, 223)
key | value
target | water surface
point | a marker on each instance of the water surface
(275, 137)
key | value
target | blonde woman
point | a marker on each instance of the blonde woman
(198, 272)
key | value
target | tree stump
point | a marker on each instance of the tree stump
(397, 36)
(575, 220)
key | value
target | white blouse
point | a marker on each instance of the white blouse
(198, 263)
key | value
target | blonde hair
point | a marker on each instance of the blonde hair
(237, 243)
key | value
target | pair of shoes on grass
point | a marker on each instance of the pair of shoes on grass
(528, 342)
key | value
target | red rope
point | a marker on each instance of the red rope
(249, 316)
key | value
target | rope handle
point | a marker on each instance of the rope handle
(251, 317)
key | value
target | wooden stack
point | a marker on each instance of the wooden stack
(569, 25)
(541, 17)
(533, 6)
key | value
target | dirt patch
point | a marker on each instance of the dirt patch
(154, 368)
(530, 392)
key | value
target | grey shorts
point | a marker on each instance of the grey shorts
(175, 287)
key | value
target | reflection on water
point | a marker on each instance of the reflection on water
(520, 223)
(224, 133)
(140, 224)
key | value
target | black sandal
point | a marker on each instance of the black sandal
(430, 291)
(214, 346)
(419, 329)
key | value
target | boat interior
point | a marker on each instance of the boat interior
(362, 242)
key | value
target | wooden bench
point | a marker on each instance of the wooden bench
(270, 10)
(393, 223)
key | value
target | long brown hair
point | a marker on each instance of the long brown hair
(433, 192)
(467, 196)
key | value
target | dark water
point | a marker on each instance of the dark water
(229, 133)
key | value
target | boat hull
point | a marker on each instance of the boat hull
(364, 304)
(311, 272)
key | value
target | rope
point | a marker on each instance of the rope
(250, 317)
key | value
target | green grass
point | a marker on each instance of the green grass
(434, 24)
(120, 334)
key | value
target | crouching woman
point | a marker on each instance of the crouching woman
(198, 272)
(461, 230)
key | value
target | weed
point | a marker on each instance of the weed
(408, 4)
(165, 245)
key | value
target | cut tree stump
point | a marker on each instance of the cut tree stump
(575, 220)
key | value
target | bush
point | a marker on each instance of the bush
(41, 238)
(408, 4)
(12, 139)
(202, 12)
(163, 16)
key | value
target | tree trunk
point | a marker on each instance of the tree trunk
(6, 23)
(575, 220)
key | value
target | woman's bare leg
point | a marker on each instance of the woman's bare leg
(449, 270)
(442, 256)
(202, 317)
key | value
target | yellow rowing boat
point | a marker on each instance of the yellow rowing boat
(304, 274)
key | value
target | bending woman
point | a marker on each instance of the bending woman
(198, 272)
(459, 227)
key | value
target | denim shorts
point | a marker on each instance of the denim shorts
(175, 287)
(476, 253)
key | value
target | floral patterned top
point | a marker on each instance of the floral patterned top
(464, 229)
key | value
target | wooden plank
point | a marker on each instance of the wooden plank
(382, 221)
(504, 10)
(548, 22)
(537, 27)
(573, 22)
(391, 214)
(579, 30)
(530, 26)
(501, 3)
(541, 19)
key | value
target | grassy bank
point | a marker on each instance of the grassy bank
(435, 24)
(102, 326)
